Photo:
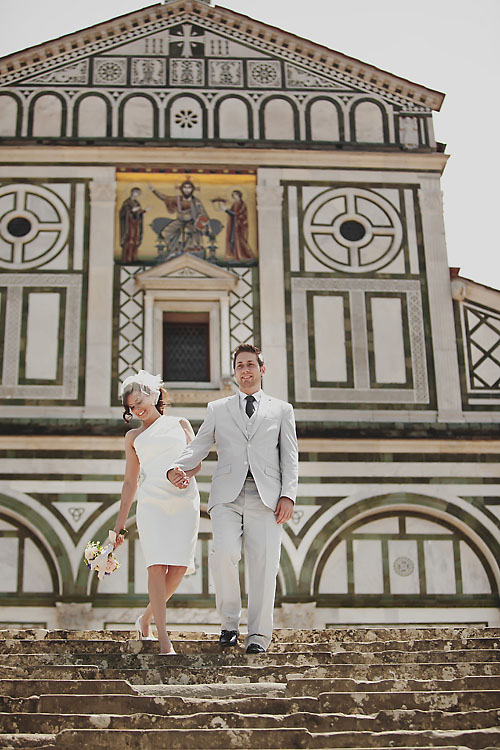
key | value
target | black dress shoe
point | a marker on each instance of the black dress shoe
(254, 648)
(228, 638)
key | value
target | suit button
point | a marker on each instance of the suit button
(245, 463)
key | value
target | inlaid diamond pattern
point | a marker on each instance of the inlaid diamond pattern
(483, 339)
(241, 320)
(130, 324)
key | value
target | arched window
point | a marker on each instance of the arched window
(369, 123)
(233, 119)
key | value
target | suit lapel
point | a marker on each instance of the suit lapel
(233, 406)
(261, 413)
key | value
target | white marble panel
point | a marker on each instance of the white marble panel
(4, 526)
(9, 547)
(474, 578)
(92, 117)
(368, 123)
(138, 118)
(334, 575)
(186, 118)
(36, 573)
(368, 571)
(439, 567)
(388, 341)
(403, 566)
(324, 121)
(42, 335)
(388, 525)
(293, 232)
(278, 120)
(423, 526)
(233, 119)
(47, 116)
(411, 232)
(8, 116)
(329, 338)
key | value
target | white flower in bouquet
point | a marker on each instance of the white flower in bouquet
(99, 557)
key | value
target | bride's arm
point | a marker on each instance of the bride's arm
(189, 432)
(129, 488)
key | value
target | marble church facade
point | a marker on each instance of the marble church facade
(390, 358)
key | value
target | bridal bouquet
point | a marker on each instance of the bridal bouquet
(100, 557)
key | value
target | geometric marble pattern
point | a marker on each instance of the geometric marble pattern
(483, 344)
(130, 324)
(241, 318)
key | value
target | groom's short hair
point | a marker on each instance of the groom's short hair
(252, 350)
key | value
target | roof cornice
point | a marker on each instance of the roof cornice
(72, 47)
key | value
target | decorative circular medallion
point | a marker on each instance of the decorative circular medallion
(185, 118)
(353, 230)
(403, 566)
(109, 71)
(264, 73)
(34, 225)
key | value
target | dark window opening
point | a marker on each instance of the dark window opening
(186, 347)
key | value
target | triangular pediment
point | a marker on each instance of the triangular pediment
(186, 272)
(192, 30)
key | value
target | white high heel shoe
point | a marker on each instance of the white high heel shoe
(142, 637)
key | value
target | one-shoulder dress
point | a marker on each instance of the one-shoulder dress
(167, 517)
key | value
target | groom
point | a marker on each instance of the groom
(252, 495)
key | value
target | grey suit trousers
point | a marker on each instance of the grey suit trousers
(246, 519)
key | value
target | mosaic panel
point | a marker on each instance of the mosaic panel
(186, 73)
(148, 71)
(225, 73)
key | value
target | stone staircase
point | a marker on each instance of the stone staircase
(356, 688)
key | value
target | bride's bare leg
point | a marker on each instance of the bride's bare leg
(157, 589)
(173, 578)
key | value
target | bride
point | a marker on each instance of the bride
(167, 517)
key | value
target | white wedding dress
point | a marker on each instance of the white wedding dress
(167, 517)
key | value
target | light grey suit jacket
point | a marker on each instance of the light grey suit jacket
(270, 451)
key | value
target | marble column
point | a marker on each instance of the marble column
(440, 301)
(272, 292)
(100, 295)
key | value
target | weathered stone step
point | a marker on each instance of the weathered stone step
(351, 702)
(184, 646)
(151, 661)
(299, 687)
(387, 720)
(23, 688)
(168, 673)
(330, 635)
(27, 741)
(189, 739)
(237, 658)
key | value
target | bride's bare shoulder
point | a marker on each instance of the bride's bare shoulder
(131, 435)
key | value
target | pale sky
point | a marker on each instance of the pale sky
(447, 45)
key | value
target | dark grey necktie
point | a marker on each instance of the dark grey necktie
(249, 406)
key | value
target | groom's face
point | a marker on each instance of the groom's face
(247, 372)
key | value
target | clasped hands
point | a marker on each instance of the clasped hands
(284, 508)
